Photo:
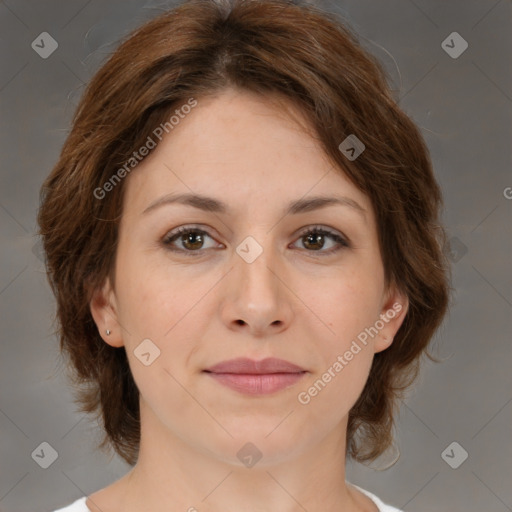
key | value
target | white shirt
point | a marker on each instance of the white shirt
(79, 505)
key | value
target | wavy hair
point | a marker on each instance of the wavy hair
(200, 48)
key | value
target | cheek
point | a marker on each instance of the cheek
(349, 308)
(332, 392)
(166, 306)
(155, 297)
(349, 305)
(346, 356)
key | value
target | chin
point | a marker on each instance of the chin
(258, 443)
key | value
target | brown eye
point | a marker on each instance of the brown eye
(187, 239)
(192, 240)
(315, 239)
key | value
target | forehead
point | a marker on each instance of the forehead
(242, 146)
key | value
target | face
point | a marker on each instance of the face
(260, 271)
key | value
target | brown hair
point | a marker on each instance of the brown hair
(265, 46)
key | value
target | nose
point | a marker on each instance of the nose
(256, 299)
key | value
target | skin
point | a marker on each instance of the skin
(295, 301)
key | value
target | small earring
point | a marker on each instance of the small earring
(108, 332)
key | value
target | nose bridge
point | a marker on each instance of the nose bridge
(257, 263)
(255, 298)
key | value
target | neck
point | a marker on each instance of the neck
(173, 475)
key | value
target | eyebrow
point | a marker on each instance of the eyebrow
(210, 204)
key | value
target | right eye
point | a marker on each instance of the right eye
(192, 240)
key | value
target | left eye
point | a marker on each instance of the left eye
(193, 239)
(316, 236)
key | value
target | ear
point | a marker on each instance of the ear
(393, 312)
(104, 312)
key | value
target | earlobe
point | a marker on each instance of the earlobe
(104, 313)
(392, 316)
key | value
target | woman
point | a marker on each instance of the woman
(242, 233)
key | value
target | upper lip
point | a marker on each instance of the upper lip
(244, 365)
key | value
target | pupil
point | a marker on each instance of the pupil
(310, 239)
(189, 239)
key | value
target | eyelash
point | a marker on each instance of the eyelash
(172, 236)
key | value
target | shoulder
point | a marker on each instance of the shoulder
(77, 506)
(80, 506)
(383, 507)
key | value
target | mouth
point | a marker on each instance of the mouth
(252, 377)
(252, 367)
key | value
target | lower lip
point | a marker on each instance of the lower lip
(262, 384)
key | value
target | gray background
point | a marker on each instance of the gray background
(463, 106)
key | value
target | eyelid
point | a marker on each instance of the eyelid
(324, 229)
(342, 241)
(185, 229)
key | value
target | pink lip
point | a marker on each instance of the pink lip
(256, 377)
(250, 366)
